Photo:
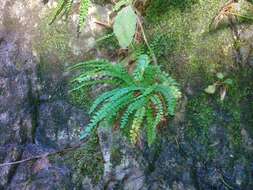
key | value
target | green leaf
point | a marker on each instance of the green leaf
(210, 89)
(120, 4)
(125, 26)
(220, 76)
(228, 81)
(58, 10)
(83, 13)
(150, 128)
(142, 64)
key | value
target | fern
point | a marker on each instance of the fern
(139, 99)
(60, 6)
(150, 127)
(120, 4)
(130, 110)
(142, 64)
(158, 109)
(99, 69)
(83, 12)
(170, 96)
(137, 122)
(106, 111)
(68, 7)
(65, 6)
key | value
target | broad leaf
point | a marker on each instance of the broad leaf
(125, 26)
(210, 89)
(228, 81)
(220, 76)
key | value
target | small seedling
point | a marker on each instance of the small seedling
(221, 85)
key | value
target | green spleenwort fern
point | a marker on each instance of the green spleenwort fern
(64, 7)
(138, 101)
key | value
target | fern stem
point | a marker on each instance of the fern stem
(145, 38)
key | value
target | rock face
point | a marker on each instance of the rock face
(34, 116)
(18, 78)
(37, 118)
(31, 125)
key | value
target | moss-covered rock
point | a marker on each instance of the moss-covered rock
(85, 162)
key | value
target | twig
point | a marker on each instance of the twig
(45, 155)
(145, 38)
(225, 183)
(106, 25)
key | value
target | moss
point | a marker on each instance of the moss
(108, 43)
(116, 155)
(87, 162)
(200, 116)
(194, 55)
(231, 114)
(53, 39)
(193, 48)
(200, 112)
(238, 106)
(80, 98)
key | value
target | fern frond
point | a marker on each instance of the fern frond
(120, 4)
(89, 64)
(171, 95)
(119, 72)
(150, 127)
(58, 10)
(68, 7)
(137, 121)
(101, 99)
(148, 94)
(123, 92)
(135, 105)
(158, 109)
(113, 95)
(142, 64)
(84, 8)
(167, 80)
(87, 75)
(105, 113)
(95, 82)
(109, 109)
(106, 70)
(151, 75)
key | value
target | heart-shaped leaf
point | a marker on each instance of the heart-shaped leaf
(125, 26)
(210, 89)
(228, 81)
(220, 76)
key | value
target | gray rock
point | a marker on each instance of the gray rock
(59, 124)
(40, 174)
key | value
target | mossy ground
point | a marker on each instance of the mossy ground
(86, 162)
(192, 50)
(233, 114)
(179, 33)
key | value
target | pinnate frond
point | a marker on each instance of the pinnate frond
(136, 126)
(141, 99)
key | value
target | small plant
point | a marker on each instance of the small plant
(64, 8)
(125, 25)
(222, 84)
(138, 100)
(233, 12)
